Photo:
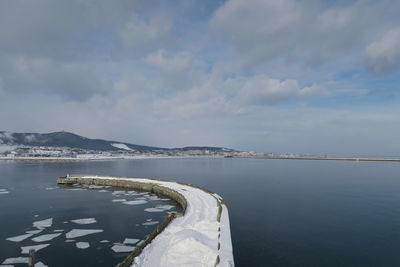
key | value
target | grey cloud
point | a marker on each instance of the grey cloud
(305, 32)
(383, 55)
(74, 29)
(20, 75)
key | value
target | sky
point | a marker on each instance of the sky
(283, 76)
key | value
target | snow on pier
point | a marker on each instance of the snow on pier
(201, 237)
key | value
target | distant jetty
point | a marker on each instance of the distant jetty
(321, 158)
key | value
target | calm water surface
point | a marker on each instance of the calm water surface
(29, 196)
(282, 212)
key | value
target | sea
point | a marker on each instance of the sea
(282, 212)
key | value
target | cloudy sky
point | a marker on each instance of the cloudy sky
(303, 76)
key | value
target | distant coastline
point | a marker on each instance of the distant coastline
(99, 158)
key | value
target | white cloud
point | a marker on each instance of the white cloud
(263, 90)
(170, 62)
(237, 95)
(139, 34)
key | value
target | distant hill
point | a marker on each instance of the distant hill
(71, 140)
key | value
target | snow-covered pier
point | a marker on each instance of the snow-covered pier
(200, 237)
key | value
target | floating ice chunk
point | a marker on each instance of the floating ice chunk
(165, 207)
(3, 192)
(77, 189)
(118, 192)
(148, 220)
(131, 241)
(84, 221)
(153, 198)
(119, 200)
(96, 186)
(47, 237)
(153, 210)
(36, 215)
(82, 245)
(58, 230)
(43, 223)
(103, 191)
(25, 250)
(122, 248)
(150, 223)
(34, 232)
(104, 241)
(16, 260)
(82, 232)
(69, 240)
(19, 238)
(50, 188)
(159, 208)
(134, 202)
(40, 264)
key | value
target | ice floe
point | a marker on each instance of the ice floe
(122, 248)
(165, 207)
(119, 200)
(131, 241)
(104, 241)
(47, 237)
(84, 221)
(40, 264)
(34, 232)
(153, 210)
(58, 230)
(17, 260)
(96, 186)
(25, 250)
(3, 192)
(159, 208)
(82, 245)
(135, 202)
(43, 223)
(19, 238)
(77, 189)
(82, 232)
(150, 223)
(152, 198)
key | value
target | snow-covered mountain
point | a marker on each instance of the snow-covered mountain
(71, 140)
